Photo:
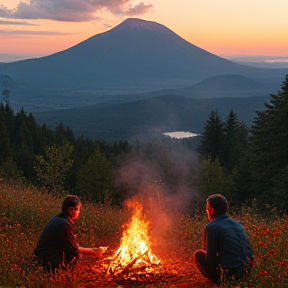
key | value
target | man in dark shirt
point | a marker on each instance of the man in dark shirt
(227, 248)
(57, 247)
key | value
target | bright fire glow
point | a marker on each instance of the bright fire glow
(135, 249)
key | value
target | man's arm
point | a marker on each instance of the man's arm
(97, 251)
(211, 244)
(67, 240)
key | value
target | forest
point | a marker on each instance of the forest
(243, 163)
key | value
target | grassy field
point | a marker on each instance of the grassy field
(25, 211)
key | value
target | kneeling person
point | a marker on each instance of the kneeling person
(57, 247)
(227, 247)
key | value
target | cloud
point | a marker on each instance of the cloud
(72, 10)
(107, 25)
(2, 22)
(4, 32)
(138, 9)
(4, 12)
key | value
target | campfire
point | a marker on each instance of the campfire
(134, 256)
(134, 260)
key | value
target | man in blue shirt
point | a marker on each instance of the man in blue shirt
(227, 252)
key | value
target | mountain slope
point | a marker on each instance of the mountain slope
(136, 53)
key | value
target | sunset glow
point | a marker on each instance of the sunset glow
(221, 27)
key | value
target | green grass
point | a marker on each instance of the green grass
(25, 211)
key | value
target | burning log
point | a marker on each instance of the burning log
(130, 265)
(134, 253)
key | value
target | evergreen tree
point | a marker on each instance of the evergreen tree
(47, 135)
(9, 167)
(212, 140)
(60, 134)
(269, 145)
(280, 184)
(9, 120)
(23, 146)
(38, 144)
(236, 141)
(4, 138)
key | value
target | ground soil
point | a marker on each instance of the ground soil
(177, 270)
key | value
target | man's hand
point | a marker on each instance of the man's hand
(103, 249)
(99, 250)
(96, 251)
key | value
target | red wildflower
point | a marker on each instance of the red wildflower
(272, 252)
(284, 263)
(261, 273)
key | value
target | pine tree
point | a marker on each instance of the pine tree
(4, 138)
(269, 144)
(22, 144)
(235, 135)
(212, 140)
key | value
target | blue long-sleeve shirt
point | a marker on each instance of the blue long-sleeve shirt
(226, 243)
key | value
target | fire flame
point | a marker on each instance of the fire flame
(134, 250)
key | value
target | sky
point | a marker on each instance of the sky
(227, 28)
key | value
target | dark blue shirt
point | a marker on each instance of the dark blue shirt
(57, 244)
(226, 243)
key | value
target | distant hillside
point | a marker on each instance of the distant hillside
(227, 83)
(220, 86)
(149, 118)
(230, 86)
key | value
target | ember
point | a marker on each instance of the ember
(135, 251)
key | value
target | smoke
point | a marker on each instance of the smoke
(159, 176)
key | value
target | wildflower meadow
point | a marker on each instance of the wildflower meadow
(25, 211)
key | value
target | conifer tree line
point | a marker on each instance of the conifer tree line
(248, 164)
(243, 163)
(55, 159)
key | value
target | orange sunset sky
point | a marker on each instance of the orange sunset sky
(222, 27)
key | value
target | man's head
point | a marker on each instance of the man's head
(216, 205)
(71, 207)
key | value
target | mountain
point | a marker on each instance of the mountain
(136, 55)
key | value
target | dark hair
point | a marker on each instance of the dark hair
(219, 203)
(70, 201)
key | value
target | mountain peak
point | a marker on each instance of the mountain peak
(136, 23)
